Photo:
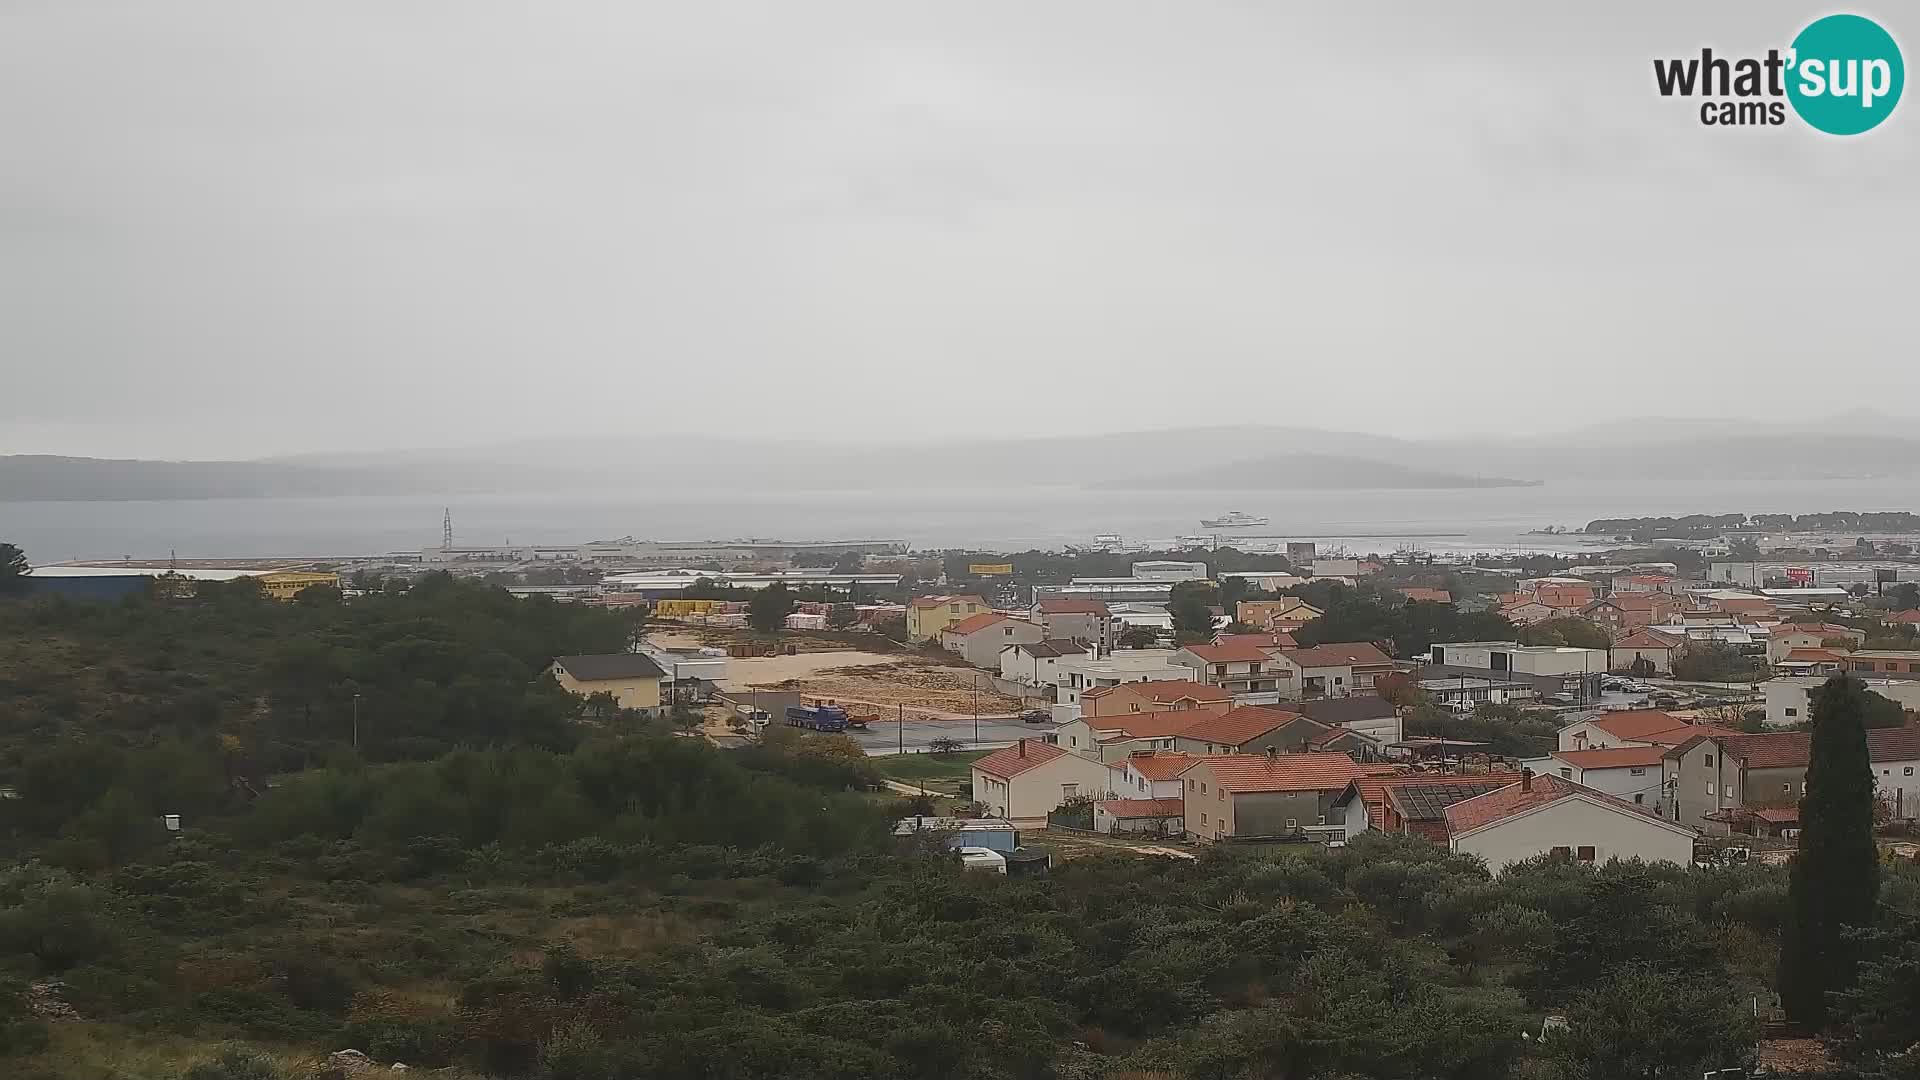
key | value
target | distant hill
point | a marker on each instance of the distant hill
(45, 478)
(1308, 472)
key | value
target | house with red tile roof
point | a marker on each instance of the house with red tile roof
(1336, 669)
(1632, 773)
(1548, 815)
(1710, 774)
(1527, 612)
(1657, 650)
(1254, 729)
(1026, 781)
(978, 639)
(1786, 637)
(1410, 803)
(1272, 794)
(1271, 639)
(1430, 596)
(1285, 613)
(1239, 667)
(1140, 817)
(1155, 695)
(1632, 727)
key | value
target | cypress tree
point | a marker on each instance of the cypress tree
(1836, 877)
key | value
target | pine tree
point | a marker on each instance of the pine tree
(1836, 877)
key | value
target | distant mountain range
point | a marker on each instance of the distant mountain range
(1628, 456)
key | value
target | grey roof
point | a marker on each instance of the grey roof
(1055, 647)
(1343, 710)
(610, 666)
(1429, 802)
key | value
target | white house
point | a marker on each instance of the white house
(1788, 703)
(1078, 674)
(1657, 649)
(1546, 815)
(1038, 663)
(978, 639)
(1629, 773)
(1029, 779)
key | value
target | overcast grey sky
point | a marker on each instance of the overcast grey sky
(230, 229)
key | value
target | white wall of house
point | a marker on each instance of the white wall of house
(1573, 823)
(982, 647)
(1788, 700)
(1018, 665)
(1076, 675)
(1637, 784)
(1034, 793)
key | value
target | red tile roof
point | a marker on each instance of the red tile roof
(1246, 773)
(1145, 725)
(1825, 630)
(1072, 607)
(1238, 726)
(1145, 808)
(1793, 749)
(1013, 760)
(1438, 596)
(1166, 690)
(1338, 654)
(1160, 764)
(1278, 639)
(1813, 656)
(1483, 810)
(1234, 653)
(1375, 790)
(974, 623)
(1619, 757)
(1636, 724)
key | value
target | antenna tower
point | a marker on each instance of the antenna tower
(446, 528)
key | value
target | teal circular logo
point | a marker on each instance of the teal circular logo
(1845, 74)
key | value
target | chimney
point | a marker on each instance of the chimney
(1273, 753)
(1526, 779)
(1023, 748)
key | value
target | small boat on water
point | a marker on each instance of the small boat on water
(1234, 519)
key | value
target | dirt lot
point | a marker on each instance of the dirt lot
(675, 635)
(925, 689)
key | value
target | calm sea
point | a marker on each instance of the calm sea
(1015, 519)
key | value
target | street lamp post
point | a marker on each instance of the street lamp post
(356, 721)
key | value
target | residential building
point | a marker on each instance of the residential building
(1368, 714)
(1709, 776)
(1642, 609)
(1037, 663)
(1239, 668)
(1787, 637)
(1885, 663)
(1029, 779)
(1167, 695)
(1256, 729)
(1336, 669)
(1152, 774)
(928, 615)
(1261, 795)
(1789, 701)
(1290, 610)
(1579, 670)
(1112, 739)
(1609, 616)
(1662, 584)
(1648, 651)
(1087, 620)
(1822, 662)
(1430, 596)
(1630, 773)
(1270, 639)
(1547, 815)
(632, 678)
(1079, 674)
(1411, 803)
(978, 639)
(287, 584)
(1632, 727)
(1528, 613)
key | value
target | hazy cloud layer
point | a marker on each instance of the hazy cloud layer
(230, 229)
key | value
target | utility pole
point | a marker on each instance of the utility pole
(976, 711)
(900, 729)
(356, 720)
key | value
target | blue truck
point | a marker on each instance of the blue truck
(817, 717)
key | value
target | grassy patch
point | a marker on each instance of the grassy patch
(941, 772)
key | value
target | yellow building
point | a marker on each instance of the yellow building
(287, 584)
(632, 679)
(928, 615)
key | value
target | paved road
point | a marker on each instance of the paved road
(887, 738)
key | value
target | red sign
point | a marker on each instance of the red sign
(1799, 575)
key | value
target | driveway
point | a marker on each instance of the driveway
(887, 736)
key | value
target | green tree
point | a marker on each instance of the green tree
(1569, 631)
(1905, 596)
(1644, 1022)
(769, 608)
(13, 570)
(1192, 603)
(1137, 637)
(1835, 879)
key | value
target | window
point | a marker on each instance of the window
(1203, 787)
(1709, 789)
(1190, 784)
(1293, 823)
(1586, 853)
(1707, 760)
(1068, 791)
(1223, 794)
(1563, 852)
(1639, 798)
(1203, 817)
(1567, 773)
(1637, 772)
(1908, 771)
(1135, 706)
(1729, 791)
(1338, 681)
(1786, 788)
(1793, 712)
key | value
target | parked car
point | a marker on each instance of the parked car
(1035, 716)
